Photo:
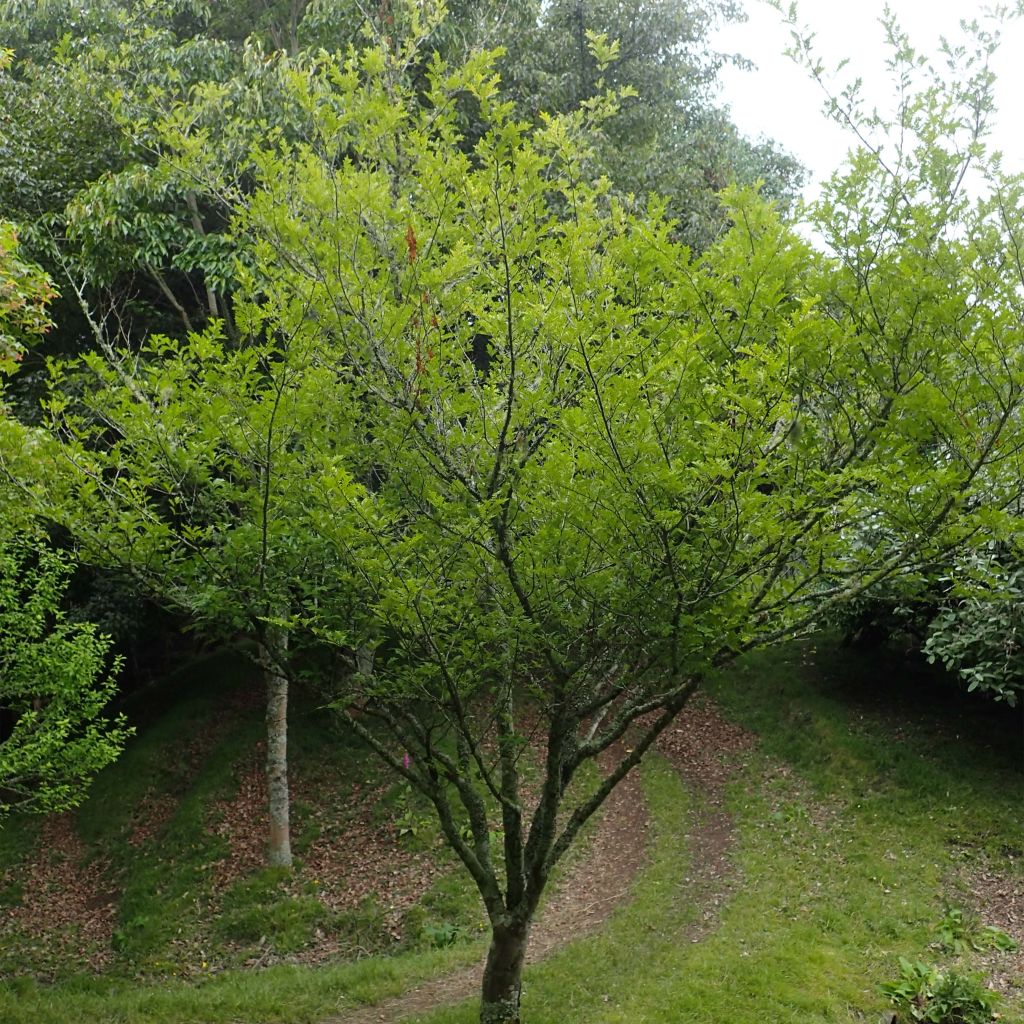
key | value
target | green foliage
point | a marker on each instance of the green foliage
(25, 291)
(916, 167)
(86, 170)
(57, 137)
(54, 685)
(412, 818)
(966, 615)
(201, 496)
(960, 931)
(668, 139)
(924, 993)
(441, 935)
(977, 627)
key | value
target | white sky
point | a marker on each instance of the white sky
(781, 101)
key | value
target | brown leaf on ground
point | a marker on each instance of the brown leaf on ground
(242, 822)
(998, 899)
(704, 748)
(67, 903)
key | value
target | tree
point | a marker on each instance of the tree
(132, 242)
(182, 465)
(134, 250)
(140, 248)
(581, 467)
(53, 681)
(139, 242)
(670, 139)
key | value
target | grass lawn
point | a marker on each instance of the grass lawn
(873, 794)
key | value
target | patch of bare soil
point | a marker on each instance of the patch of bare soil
(704, 748)
(599, 880)
(370, 861)
(150, 817)
(155, 809)
(998, 899)
(67, 911)
(242, 822)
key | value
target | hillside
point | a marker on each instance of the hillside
(827, 814)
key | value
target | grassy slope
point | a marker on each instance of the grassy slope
(198, 731)
(844, 862)
(851, 818)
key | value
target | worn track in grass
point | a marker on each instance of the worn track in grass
(602, 878)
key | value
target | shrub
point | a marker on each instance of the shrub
(925, 993)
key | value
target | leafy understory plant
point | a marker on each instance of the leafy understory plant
(926, 993)
(55, 681)
(960, 931)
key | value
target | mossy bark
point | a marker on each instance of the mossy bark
(503, 974)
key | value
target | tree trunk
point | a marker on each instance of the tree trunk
(279, 851)
(503, 974)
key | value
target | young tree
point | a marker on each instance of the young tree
(170, 463)
(581, 467)
(182, 464)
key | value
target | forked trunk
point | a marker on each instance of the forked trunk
(279, 851)
(503, 974)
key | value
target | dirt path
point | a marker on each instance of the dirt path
(588, 894)
(705, 750)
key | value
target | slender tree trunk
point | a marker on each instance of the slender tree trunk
(364, 660)
(279, 851)
(197, 225)
(503, 974)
